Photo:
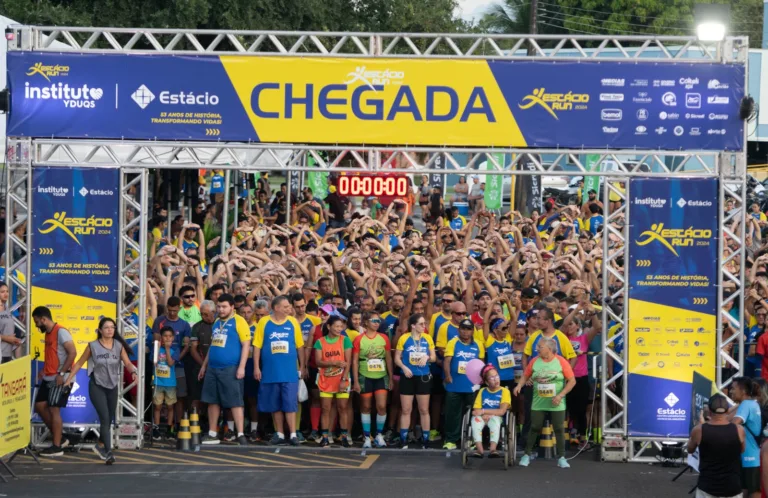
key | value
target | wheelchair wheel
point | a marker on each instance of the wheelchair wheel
(511, 440)
(466, 435)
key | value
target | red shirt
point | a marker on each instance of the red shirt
(762, 350)
(477, 319)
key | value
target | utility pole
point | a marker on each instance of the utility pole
(534, 16)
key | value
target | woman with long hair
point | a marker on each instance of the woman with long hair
(106, 357)
(415, 350)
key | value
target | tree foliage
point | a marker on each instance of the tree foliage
(314, 15)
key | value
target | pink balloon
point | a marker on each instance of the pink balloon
(474, 368)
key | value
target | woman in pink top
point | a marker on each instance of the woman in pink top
(581, 326)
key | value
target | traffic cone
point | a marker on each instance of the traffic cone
(547, 441)
(183, 438)
(194, 429)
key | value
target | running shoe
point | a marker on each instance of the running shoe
(434, 435)
(242, 441)
(389, 434)
(525, 461)
(367, 443)
(110, 458)
(52, 451)
(276, 440)
(324, 442)
(208, 439)
(156, 436)
(64, 441)
(380, 443)
(411, 438)
(345, 442)
(300, 437)
(171, 433)
(449, 446)
(229, 436)
(315, 436)
(330, 438)
(424, 445)
(403, 445)
(295, 440)
(101, 452)
(254, 436)
(563, 463)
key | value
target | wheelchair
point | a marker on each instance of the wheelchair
(507, 439)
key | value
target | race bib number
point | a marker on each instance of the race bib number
(219, 340)
(547, 390)
(280, 347)
(506, 361)
(163, 371)
(462, 367)
(375, 365)
(416, 358)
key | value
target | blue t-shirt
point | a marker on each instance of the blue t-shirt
(165, 374)
(458, 222)
(278, 342)
(503, 359)
(180, 327)
(461, 354)
(227, 337)
(217, 184)
(749, 412)
(388, 324)
(595, 224)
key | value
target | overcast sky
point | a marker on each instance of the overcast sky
(473, 8)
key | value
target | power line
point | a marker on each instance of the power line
(607, 13)
(568, 29)
(592, 26)
(630, 24)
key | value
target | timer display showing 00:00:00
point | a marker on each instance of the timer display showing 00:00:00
(395, 186)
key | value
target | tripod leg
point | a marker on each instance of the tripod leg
(9, 470)
(679, 474)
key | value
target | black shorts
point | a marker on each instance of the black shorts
(750, 479)
(370, 386)
(312, 379)
(53, 395)
(416, 385)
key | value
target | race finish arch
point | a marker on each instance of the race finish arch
(663, 110)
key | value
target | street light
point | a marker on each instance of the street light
(712, 20)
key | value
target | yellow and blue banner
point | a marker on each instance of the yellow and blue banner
(75, 244)
(15, 405)
(673, 267)
(377, 101)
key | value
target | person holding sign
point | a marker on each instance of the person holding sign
(414, 352)
(553, 379)
(224, 368)
(459, 389)
(276, 344)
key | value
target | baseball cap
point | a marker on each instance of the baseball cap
(328, 309)
(466, 324)
(718, 404)
(591, 191)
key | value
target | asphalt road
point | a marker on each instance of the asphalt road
(227, 471)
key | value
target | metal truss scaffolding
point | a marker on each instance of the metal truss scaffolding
(135, 158)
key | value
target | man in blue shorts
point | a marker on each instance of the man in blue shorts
(224, 368)
(279, 345)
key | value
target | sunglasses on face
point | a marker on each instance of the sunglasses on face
(460, 313)
(189, 296)
(448, 301)
(375, 321)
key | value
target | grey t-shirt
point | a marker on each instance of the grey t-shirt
(6, 329)
(64, 337)
(104, 365)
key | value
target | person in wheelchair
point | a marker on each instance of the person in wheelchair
(491, 405)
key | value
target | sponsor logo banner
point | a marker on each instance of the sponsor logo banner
(672, 284)
(74, 261)
(381, 101)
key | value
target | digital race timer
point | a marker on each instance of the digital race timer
(377, 186)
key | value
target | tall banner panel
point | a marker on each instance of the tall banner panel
(15, 405)
(75, 244)
(672, 338)
(327, 100)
